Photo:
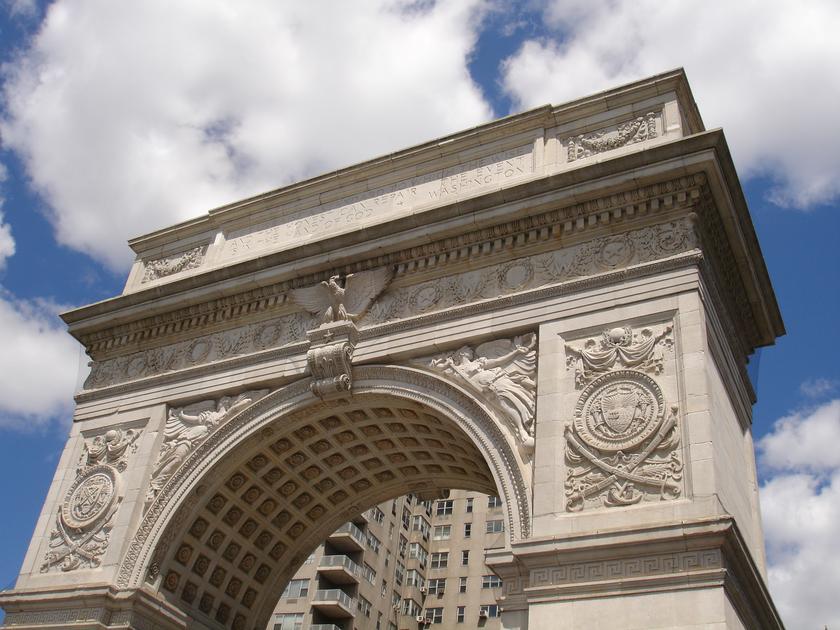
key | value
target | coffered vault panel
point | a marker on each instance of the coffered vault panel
(271, 501)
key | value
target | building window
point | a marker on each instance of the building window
(462, 612)
(467, 530)
(406, 517)
(444, 508)
(494, 527)
(364, 606)
(440, 560)
(377, 515)
(411, 608)
(434, 615)
(465, 558)
(384, 588)
(469, 505)
(373, 543)
(416, 550)
(392, 625)
(369, 573)
(462, 585)
(296, 588)
(288, 621)
(491, 581)
(437, 586)
(310, 559)
(399, 573)
(494, 502)
(379, 621)
(420, 524)
(413, 578)
(403, 545)
(490, 610)
(442, 532)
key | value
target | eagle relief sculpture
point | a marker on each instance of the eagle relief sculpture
(344, 298)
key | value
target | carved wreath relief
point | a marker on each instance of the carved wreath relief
(83, 525)
(162, 267)
(622, 444)
(503, 373)
(639, 129)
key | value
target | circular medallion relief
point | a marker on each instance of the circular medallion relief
(90, 497)
(615, 252)
(619, 410)
(515, 275)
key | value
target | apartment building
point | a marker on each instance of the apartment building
(403, 565)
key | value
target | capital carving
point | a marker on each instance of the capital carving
(330, 357)
(84, 521)
(503, 374)
(187, 427)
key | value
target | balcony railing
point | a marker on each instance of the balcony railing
(324, 626)
(348, 537)
(334, 602)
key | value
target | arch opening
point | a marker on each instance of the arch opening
(244, 512)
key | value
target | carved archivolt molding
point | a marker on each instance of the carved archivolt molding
(626, 133)
(622, 446)
(503, 373)
(167, 266)
(187, 427)
(85, 518)
(405, 383)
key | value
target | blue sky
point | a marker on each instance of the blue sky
(117, 119)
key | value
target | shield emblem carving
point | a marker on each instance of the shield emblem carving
(618, 407)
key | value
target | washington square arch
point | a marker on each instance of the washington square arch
(557, 308)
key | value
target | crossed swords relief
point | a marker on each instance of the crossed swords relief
(621, 470)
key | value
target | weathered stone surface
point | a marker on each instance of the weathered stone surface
(556, 308)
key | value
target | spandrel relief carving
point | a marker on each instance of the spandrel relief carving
(84, 521)
(162, 267)
(503, 374)
(187, 427)
(622, 444)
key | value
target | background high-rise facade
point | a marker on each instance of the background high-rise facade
(400, 562)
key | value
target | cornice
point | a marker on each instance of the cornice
(568, 224)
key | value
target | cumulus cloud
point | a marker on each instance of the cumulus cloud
(800, 504)
(764, 70)
(818, 387)
(7, 241)
(40, 364)
(130, 117)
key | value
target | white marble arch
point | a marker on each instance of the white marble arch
(279, 415)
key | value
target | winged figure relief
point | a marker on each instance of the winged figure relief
(344, 299)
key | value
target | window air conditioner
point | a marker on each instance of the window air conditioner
(423, 589)
(482, 614)
(421, 619)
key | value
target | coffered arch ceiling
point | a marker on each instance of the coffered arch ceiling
(244, 511)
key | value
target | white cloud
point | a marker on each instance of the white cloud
(764, 70)
(22, 8)
(818, 387)
(7, 242)
(39, 363)
(800, 506)
(130, 117)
